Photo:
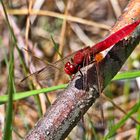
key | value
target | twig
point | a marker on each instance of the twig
(57, 15)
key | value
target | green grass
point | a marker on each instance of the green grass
(22, 95)
(114, 129)
(10, 92)
(138, 126)
(127, 75)
(7, 135)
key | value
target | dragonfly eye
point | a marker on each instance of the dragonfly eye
(70, 68)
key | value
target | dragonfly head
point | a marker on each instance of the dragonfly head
(70, 68)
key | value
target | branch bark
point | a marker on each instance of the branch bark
(73, 103)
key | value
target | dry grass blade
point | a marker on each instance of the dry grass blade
(57, 15)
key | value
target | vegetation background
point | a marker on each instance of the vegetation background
(57, 29)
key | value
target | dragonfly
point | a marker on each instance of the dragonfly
(74, 62)
(85, 56)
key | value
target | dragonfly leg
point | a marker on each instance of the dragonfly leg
(81, 73)
(73, 76)
(100, 92)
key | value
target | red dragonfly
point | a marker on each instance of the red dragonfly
(84, 56)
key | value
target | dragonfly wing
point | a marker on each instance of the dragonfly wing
(46, 72)
(50, 70)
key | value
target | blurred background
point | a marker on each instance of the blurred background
(47, 31)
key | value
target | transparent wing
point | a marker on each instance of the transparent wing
(50, 69)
